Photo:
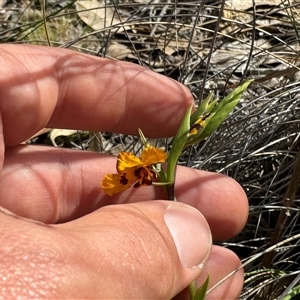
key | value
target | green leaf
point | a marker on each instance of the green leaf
(178, 145)
(200, 293)
(218, 112)
(192, 289)
(216, 119)
(233, 96)
(204, 108)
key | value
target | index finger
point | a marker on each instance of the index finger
(52, 87)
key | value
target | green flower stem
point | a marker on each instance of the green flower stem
(214, 113)
(193, 129)
(197, 126)
(178, 145)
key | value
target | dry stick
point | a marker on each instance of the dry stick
(190, 42)
(162, 13)
(45, 21)
(284, 213)
(252, 41)
(253, 258)
(289, 288)
(116, 11)
(201, 93)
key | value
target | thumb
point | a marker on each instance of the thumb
(146, 250)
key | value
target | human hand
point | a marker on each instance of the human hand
(61, 238)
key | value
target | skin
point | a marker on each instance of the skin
(61, 236)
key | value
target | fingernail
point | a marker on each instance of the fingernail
(191, 234)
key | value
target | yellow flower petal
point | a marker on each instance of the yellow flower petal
(114, 183)
(152, 155)
(130, 175)
(127, 160)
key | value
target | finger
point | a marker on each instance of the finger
(220, 198)
(56, 185)
(134, 251)
(221, 262)
(51, 87)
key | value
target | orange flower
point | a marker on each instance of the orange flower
(133, 170)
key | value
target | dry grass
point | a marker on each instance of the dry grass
(188, 41)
